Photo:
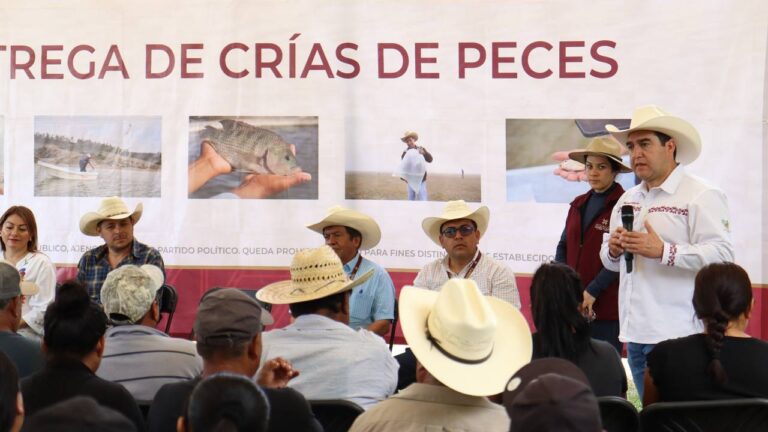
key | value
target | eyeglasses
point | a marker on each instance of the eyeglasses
(465, 230)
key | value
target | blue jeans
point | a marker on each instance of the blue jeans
(422, 196)
(636, 355)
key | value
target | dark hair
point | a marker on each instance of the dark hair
(9, 390)
(29, 219)
(225, 352)
(332, 303)
(73, 324)
(556, 294)
(353, 233)
(722, 293)
(5, 302)
(227, 402)
(664, 138)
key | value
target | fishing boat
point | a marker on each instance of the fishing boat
(66, 173)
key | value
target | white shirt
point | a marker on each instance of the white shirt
(492, 277)
(37, 267)
(691, 217)
(334, 361)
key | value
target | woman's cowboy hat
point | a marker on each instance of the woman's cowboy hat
(315, 274)
(112, 208)
(410, 134)
(456, 210)
(470, 342)
(604, 146)
(651, 117)
(338, 215)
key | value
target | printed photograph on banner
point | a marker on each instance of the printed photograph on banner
(253, 157)
(413, 160)
(98, 156)
(539, 168)
(2, 155)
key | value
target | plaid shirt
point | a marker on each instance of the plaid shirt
(94, 266)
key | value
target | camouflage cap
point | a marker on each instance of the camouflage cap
(227, 316)
(130, 290)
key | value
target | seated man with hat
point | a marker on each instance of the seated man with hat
(467, 346)
(136, 354)
(335, 361)
(371, 305)
(458, 230)
(114, 223)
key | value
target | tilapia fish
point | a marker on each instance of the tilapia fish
(251, 149)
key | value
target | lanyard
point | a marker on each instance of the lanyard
(472, 266)
(353, 273)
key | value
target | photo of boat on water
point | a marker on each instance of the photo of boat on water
(98, 156)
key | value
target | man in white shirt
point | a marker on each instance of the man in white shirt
(680, 224)
(334, 361)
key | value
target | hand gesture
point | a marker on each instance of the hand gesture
(647, 244)
(276, 373)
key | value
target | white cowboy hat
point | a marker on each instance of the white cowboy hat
(653, 118)
(409, 134)
(315, 274)
(469, 342)
(456, 210)
(604, 146)
(112, 208)
(338, 215)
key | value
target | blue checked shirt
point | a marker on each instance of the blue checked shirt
(373, 300)
(94, 266)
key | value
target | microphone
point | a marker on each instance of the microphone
(628, 220)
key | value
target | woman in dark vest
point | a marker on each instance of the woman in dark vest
(588, 219)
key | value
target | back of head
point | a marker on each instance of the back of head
(556, 295)
(554, 402)
(333, 303)
(73, 324)
(78, 414)
(9, 390)
(128, 292)
(227, 402)
(723, 292)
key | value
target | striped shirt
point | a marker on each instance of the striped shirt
(492, 277)
(143, 359)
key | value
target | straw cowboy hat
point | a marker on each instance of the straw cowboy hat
(653, 118)
(456, 210)
(604, 146)
(470, 342)
(315, 274)
(410, 134)
(112, 208)
(338, 215)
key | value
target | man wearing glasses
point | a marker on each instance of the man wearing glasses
(458, 230)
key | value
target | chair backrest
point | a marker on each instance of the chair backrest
(169, 298)
(393, 329)
(336, 415)
(618, 414)
(144, 406)
(732, 415)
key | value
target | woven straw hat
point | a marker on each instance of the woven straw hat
(651, 117)
(410, 134)
(315, 273)
(604, 146)
(456, 210)
(112, 208)
(338, 215)
(470, 342)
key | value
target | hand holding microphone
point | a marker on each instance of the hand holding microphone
(628, 221)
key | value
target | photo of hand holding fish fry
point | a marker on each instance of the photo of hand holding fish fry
(255, 157)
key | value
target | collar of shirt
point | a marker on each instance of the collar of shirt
(349, 265)
(464, 269)
(133, 330)
(316, 322)
(440, 394)
(135, 250)
(671, 183)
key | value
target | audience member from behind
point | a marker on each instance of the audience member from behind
(137, 355)
(226, 402)
(74, 344)
(228, 328)
(78, 414)
(336, 361)
(724, 362)
(18, 238)
(23, 352)
(551, 395)
(467, 346)
(11, 405)
(562, 330)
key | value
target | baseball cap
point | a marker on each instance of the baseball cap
(227, 316)
(129, 290)
(11, 284)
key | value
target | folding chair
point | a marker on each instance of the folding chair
(336, 415)
(169, 298)
(618, 414)
(732, 415)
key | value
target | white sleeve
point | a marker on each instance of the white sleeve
(609, 262)
(42, 273)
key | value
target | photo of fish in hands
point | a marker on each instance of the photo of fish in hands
(253, 157)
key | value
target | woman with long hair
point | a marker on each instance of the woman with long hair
(562, 329)
(18, 239)
(723, 362)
